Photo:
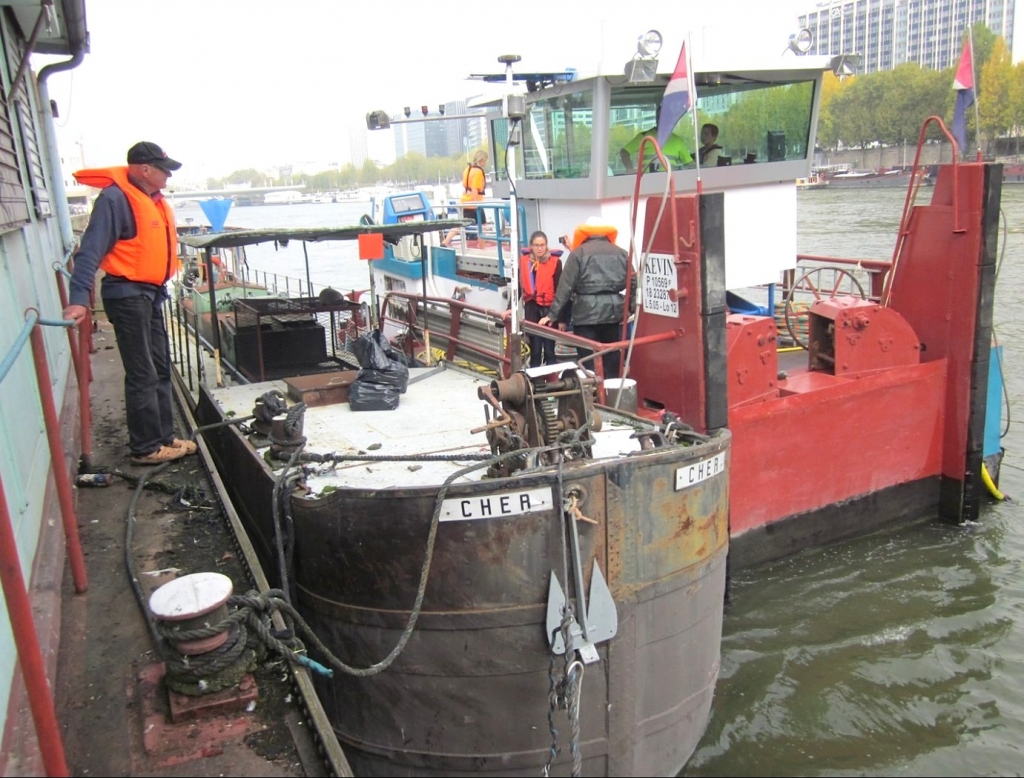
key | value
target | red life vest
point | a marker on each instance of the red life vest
(538, 281)
(151, 255)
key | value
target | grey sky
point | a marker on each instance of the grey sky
(226, 84)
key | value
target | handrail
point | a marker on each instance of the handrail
(600, 348)
(19, 606)
(499, 208)
(867, 264)
(901, 236)
(32, 332)
(83, 367)
(458, 308)
(875, 268)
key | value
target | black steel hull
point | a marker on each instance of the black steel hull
(469, 693)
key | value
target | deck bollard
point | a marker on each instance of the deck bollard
(193, 602)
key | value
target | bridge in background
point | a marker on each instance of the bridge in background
(203, 194)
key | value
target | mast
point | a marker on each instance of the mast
(691, 85)
(515, 110)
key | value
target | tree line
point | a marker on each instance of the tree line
(889, 107)
(412, 168)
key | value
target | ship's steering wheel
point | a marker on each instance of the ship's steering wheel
(811, 282)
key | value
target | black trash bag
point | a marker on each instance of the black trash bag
(370, 353)
(393, 353)
(397, 375)
(372, 397)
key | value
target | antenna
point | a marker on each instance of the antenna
(515, 110)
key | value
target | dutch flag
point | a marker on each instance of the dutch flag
(676, 101)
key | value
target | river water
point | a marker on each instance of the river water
(897, 654)
(894, 655)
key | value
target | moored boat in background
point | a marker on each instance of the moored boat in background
(1013, 173)
(816, 180)
(882, 177)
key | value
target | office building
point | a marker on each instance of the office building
(887, 33)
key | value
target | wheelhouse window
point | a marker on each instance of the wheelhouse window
(557, 136)
(760, 120)
(772, 122)
(757, 121)
(634, 113)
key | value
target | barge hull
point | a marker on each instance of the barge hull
(470, 692)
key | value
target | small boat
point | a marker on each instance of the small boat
(1013, 173)
(815, 181)
(855, 179)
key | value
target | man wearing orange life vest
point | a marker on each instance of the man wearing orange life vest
(594, 278)
(539, 273)
(131, 236)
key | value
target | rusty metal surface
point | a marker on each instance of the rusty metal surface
(470, 692)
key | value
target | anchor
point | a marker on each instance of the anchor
(599, 619)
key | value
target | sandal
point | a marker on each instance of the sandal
(158, 457)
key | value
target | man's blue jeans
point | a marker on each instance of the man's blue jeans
(146, 356)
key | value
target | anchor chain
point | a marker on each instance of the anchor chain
(564, 694)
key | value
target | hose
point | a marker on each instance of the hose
(990, 484)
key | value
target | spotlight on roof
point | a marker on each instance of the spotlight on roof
(800, 42)
(643, 67)
(845, 64)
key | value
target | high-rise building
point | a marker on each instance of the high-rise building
(887, 33)
(428, 138)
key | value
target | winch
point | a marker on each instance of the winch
(536, 408)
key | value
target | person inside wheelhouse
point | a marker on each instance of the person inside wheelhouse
(753, 113)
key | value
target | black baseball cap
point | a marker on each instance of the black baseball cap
(146, 153)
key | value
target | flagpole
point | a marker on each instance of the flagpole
(692, 86)
(974, 85)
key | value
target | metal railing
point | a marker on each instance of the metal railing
(19, 607)
(482, 338)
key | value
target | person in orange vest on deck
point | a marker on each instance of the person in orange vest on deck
(539, 273)
(132, 237)
(593, 279)
(474, 186)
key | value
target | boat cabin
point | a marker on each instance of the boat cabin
(571, 165)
